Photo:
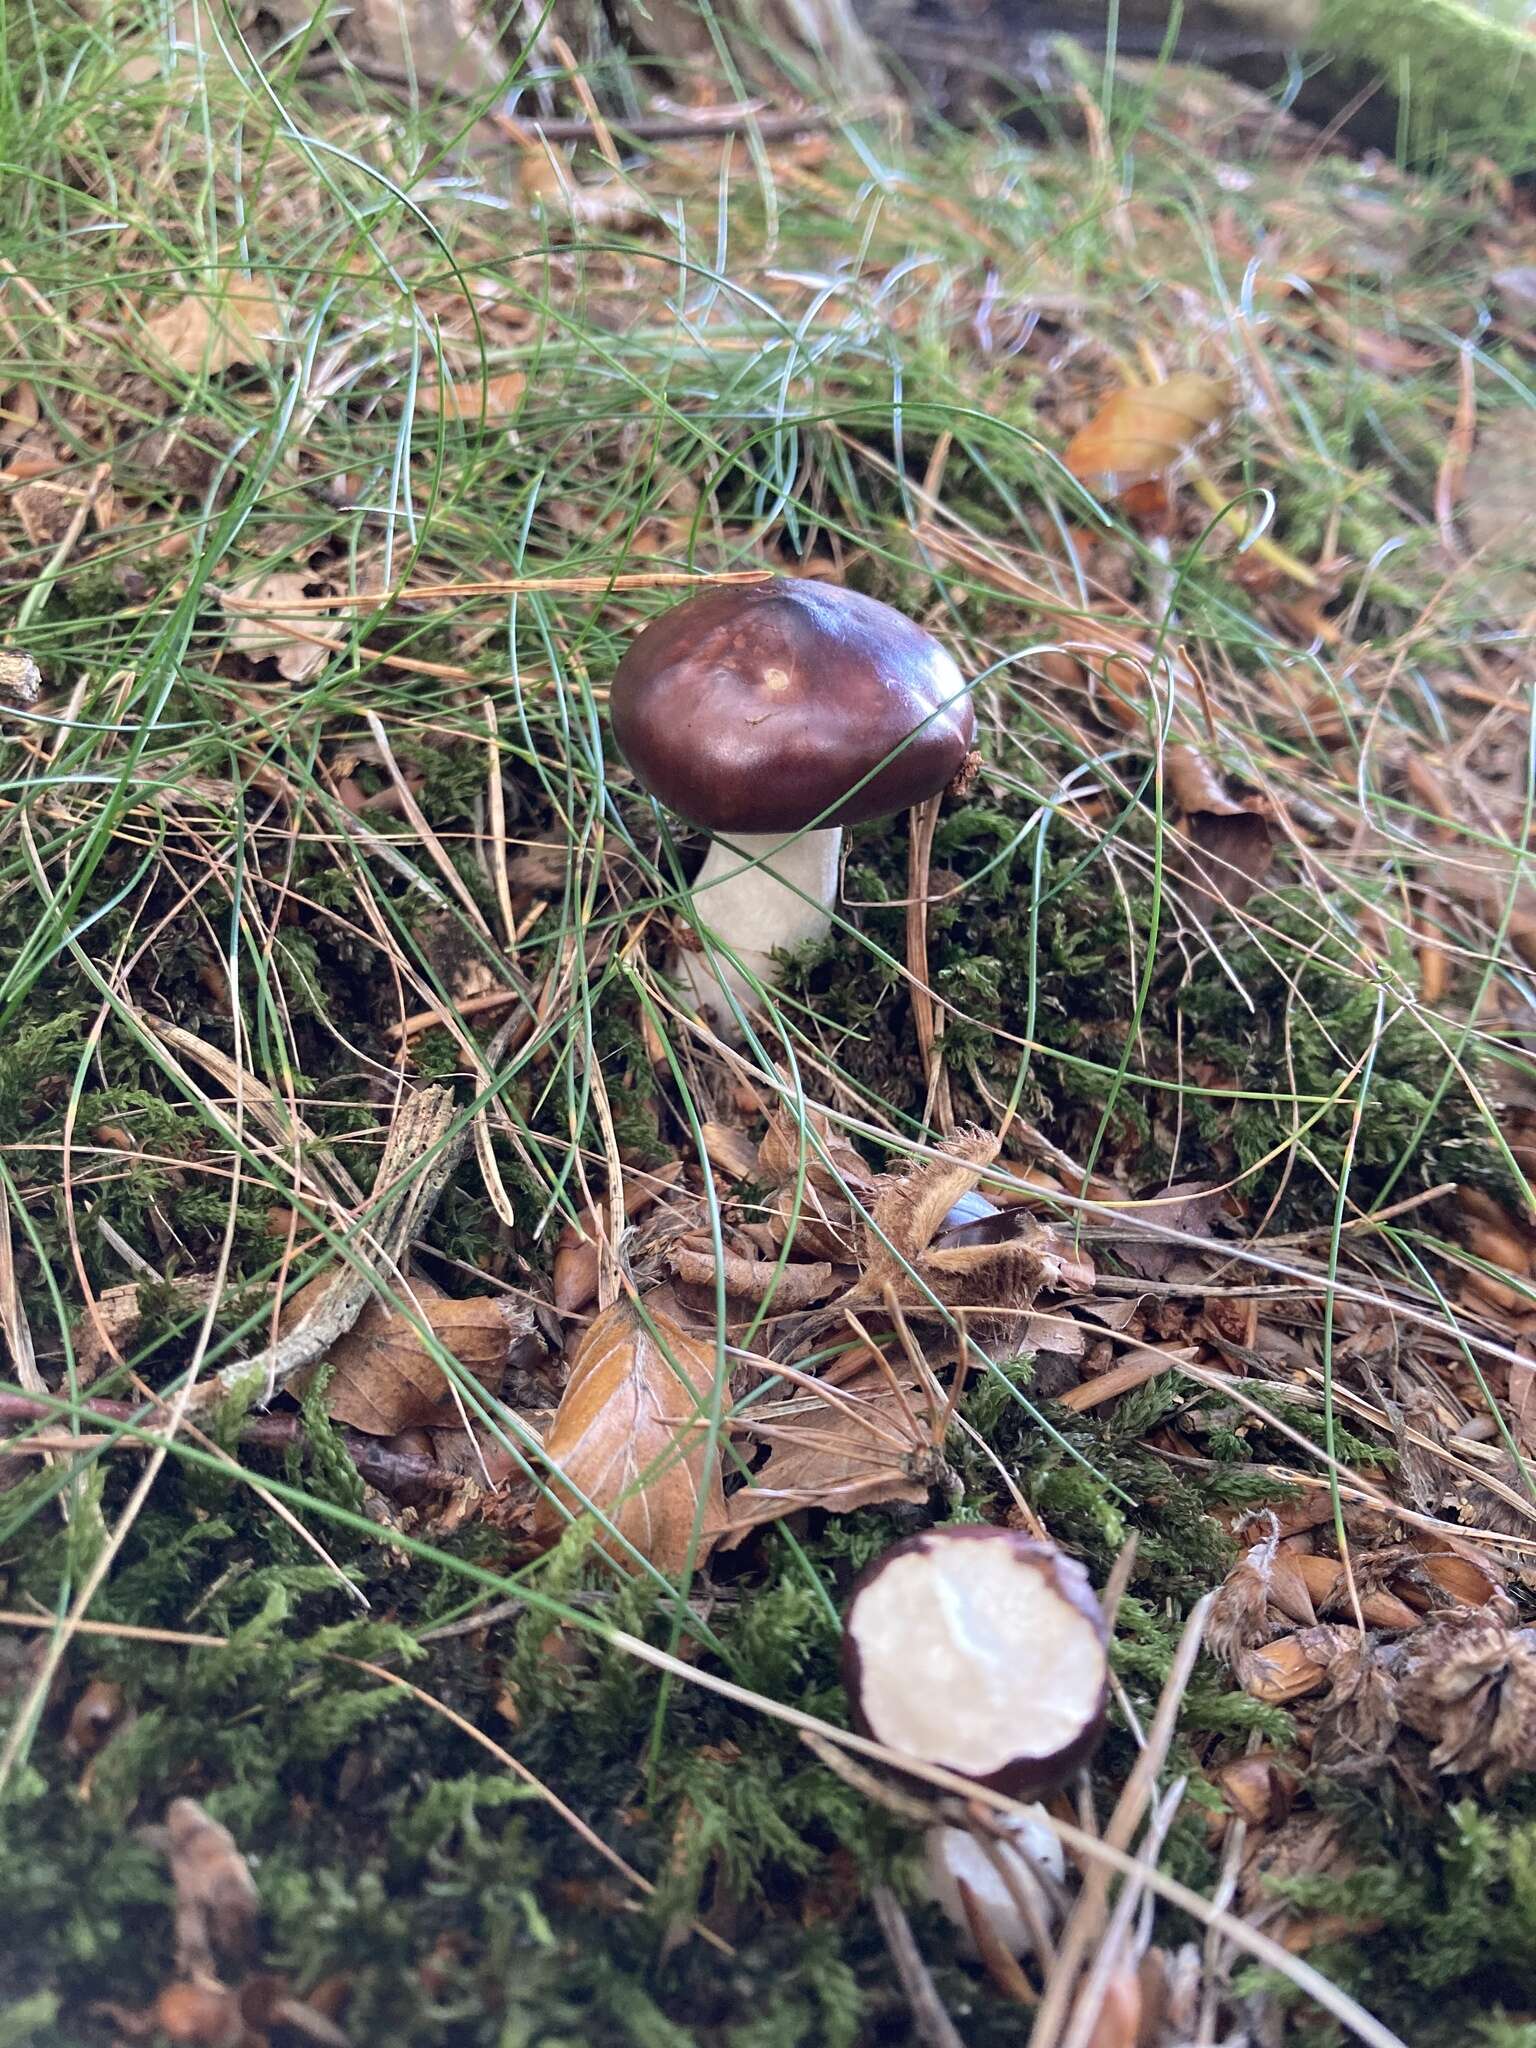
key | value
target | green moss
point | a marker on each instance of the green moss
(1448, 1903)
(1462, 78)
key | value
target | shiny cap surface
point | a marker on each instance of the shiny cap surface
(763, 707)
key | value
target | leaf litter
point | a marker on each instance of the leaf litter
(1115, 1267)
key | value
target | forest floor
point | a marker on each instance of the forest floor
(346, 440)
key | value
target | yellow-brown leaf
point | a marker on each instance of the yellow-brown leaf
(385, 1379)
(629, 1438)
(1144, 431)
(233, 323)
(493, 398)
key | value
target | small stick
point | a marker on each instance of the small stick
(380, 1465)
(671, 127)
(410, 1194)
(935, 2028)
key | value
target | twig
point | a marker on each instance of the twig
(934, 2026)
(416, 1166)
(499, 586)
(675, 127)
(389, 1470)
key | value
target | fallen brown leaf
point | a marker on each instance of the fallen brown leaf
(810, 1144)
(628, 1437)
(384, 1379)
(1497, 512)
(731, 1152)
(273, 634)
(1143, 431)
(233, 323)
(851, 1447)
(494, 398)
(1230, 842)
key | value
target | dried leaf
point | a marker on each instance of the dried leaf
(46, 511)
(817, 1224)
(730, 1151)
(1497, 512)
(788, 1288)
(1522, 1401)
(491, 398)
(1493, 884)
(235, 323)
(1188, 1207)
(628, 1436)
(809, 1144)
(384, 1378)
(272, 634)
(216, 1899)
(1145, 430)
(852, 1449)
(1231, 844)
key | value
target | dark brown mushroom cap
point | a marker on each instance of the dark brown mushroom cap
(762, 707)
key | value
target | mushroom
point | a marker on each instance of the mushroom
(773, 714)
(980, 1650)
(966, 1883)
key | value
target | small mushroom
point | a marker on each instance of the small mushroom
(773, 714)
(982, 1651)
(961, 1878)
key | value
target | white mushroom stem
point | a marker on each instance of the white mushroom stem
(1019, 1900)
(759, 895)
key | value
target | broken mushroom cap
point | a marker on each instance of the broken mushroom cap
(982, 1651)
(762, 708)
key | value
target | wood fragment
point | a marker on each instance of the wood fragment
(416, 1167)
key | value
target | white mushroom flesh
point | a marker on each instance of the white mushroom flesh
(972, 1658)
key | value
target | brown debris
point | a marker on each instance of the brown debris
(1467, 1684)
(216, 1899)
(629, 1438)
(94, 1719)
(786, 1152)
(385, 1380)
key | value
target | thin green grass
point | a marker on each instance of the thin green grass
(864, 358)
